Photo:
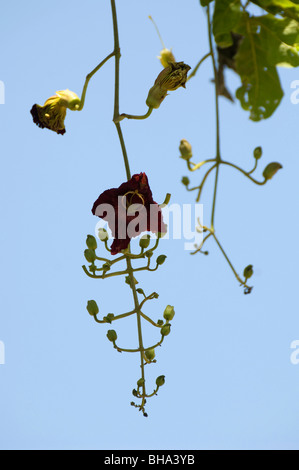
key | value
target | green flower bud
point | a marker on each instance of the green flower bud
(185, 149)
(90, 255)
(150, 354)
(161, 259)
(103, 234)
(155, 97)
(149, 254)
(144, 241)
(160, 380)
(160, 322)
(91, 242)
(258, 152)
(271, 170)
(248, 271)
(140, 382)
(169, 313)
(111, 335)
(92, 307)
(185, 181)
(165, 330)
(106, 267)
(140, 291)
(128, 281)
(109, 317)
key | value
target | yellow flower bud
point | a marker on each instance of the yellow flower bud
(185, 149)
(166, 57)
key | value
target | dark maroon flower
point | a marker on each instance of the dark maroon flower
(129, 211)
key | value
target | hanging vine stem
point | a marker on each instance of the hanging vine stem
(145, 356)
(128, 173)
(216, 163)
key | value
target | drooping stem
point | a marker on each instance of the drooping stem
(247, 174)
(218, 156)
(194, 71)
(89, 76)
(133, 116)
(116, 89)
(138, 314)
(128, 173)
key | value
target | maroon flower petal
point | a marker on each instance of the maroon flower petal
(123, 223)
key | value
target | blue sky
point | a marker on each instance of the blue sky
(230, 383)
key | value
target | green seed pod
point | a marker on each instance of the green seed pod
(165, 330)
(169, 313)
(185, 181)
(150, 354)
(161, 259)
(92, 307)
(160, 380)
(258, 152)
(185, 149)
(248, 271)
(111, 335)
(90, 255)
(144, 241)
(103, 234)
(91, 242)
(271, 170)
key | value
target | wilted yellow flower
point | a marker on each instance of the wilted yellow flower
(166, 57)
(171, 78)
(52, 114)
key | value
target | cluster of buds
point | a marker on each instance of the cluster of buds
(271, 169)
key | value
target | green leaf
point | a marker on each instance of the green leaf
(280, 38)
(261, 91)
(268, 42)
(280, 7)
(205, 3)
(227, 15)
